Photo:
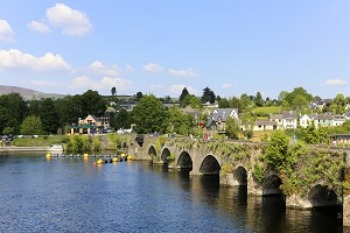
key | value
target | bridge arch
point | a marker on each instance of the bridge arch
(322, 195)
(184, 161)
(271, 185)
(240, 175)
(164, 155)
(152, 151)
(210, 166)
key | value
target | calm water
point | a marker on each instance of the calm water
(73, 195)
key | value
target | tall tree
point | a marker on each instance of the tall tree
(183, 95)
(13, 109)
(299, 99)
(69, 109)
(92, 103)
(223, 103)
(139, 95)
(178, 122)
(208, 96)
(49, 116)
(149, 115)
(245, 103)
(121, 120)
(113, 91)
(259, 100)
(231, 128)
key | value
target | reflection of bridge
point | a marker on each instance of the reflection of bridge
(210, 158)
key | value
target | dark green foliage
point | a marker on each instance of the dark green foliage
(48, 115)
(121, 119)
(208, 96)
(149, 115)
(13, 109)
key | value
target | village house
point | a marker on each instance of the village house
(286, 120)
(264, 125)
(90, 125)
(218, 117)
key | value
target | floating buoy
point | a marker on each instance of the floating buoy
(115, 160)
(86, 155)
(48, 155)
(100, 161)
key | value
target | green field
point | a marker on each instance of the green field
(267, 110)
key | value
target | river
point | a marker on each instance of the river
(70, 194)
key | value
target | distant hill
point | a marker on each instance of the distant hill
(27, 94)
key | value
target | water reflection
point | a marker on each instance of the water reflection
(71, 194)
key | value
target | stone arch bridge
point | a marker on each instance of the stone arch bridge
(236, 163)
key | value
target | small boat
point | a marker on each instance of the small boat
(56, 149)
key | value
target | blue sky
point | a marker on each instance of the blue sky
(160, 47)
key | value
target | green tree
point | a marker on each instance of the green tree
(311, 135)
(69, 110)
(231, 128)
(195, 102)
(223, 103)
(299, 99)
(31, 125)
(248, 121)
(183, 95)
(235, 103)
(139, 95)
(121, 120)
(208, 96)
(276, 151)
(49, 116)
(92, 103)
(283, 95)
(245, 103)
(113, 91)
(34, 107)
(179, 122)
(259, 100)
(149, 115)
(13, 109)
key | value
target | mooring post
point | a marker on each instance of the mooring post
(346, 193)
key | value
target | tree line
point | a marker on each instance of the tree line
(52, 116)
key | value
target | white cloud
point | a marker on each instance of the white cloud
(129, 68)
(335, 82)
(188, 73)
(72, 22)
(16, 59)
(105, 84)
(104, 70)
(177, 89)
(226, 85)
(39, 27)
(153, 68)
(6, 32)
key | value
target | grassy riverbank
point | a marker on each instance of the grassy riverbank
(72, 143)
(42, 141)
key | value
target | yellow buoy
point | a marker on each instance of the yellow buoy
(122, 155)
(100, 161)
(86, 155)
(48, 155)
(115, 159)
